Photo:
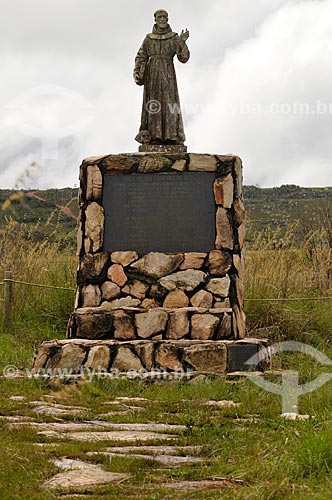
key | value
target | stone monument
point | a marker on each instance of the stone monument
(160, 244)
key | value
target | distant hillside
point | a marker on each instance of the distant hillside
(53, 212)
(280, 206)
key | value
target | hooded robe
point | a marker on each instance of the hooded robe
(161, 120)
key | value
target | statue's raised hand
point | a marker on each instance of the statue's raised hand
(184, 35)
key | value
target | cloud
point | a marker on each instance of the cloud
(245, 56)
(272, 101)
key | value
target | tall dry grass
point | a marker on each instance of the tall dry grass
(290, 272)
(38, 312)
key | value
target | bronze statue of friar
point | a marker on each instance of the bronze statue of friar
(161, 121)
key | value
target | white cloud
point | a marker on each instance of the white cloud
(261, 84)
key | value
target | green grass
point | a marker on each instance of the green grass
(275, 458)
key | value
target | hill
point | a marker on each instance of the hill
(53, 212)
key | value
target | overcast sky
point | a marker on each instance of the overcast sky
(258, 84)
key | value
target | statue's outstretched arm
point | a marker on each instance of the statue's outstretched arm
(182, 50)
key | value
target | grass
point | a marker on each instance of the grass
(276, 459)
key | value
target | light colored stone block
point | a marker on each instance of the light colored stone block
(202, 163)
(203, 326)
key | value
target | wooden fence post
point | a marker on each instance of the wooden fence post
(8, 300)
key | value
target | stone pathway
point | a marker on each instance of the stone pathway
(78, 475)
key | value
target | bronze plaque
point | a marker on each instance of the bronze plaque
(165, 212)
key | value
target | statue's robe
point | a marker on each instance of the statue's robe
(161, 112)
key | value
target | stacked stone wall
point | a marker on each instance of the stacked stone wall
(128, 296)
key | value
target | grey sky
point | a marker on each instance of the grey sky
(258, 84)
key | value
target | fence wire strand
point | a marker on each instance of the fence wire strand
(38, 285)
(292, 299)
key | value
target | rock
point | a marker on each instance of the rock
(224, 238)
(121, 436)
(222, 403)
(176, 298)
(203, 326)
(94, 185)
(92, 266)
(69, 358)
(145, 352)
(239, 265)
(199, 379)
(199, 163)
(110, 290)
(209, 357)
(219, 286)
(149, 304)
(117, 274)
(123, 327)
(120, 164)
(137, 289)
(124, 302)
(239, 323)
(220, 262)
(91, 296)
(238, 177)
(157, 264)
(239, 212)
(126, 360)
(81, 475)
(124, 258)
(239, 291)
(92, 160)
(178, 325)
(179, 165)
(222, 304)
(98, 358)
(185, 280)
(151, 323)
(93, 323)
(79, 237)
(241, 235)
(154, 164)
(202, 299)
(225, 164)
(157, 292)
(224, 191)
(94, 228)
(192, 260)
(42, 355)
(167, 357)
(225, 327)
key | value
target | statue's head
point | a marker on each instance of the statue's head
(161, 18)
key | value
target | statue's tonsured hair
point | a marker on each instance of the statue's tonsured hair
(161, 11)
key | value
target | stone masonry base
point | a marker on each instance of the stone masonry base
(224, 356)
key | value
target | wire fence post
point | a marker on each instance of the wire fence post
(8, 300)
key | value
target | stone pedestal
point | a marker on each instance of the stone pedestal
(170, 305)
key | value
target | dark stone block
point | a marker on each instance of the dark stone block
(238, 354)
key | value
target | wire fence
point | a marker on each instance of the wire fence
(8, 282)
